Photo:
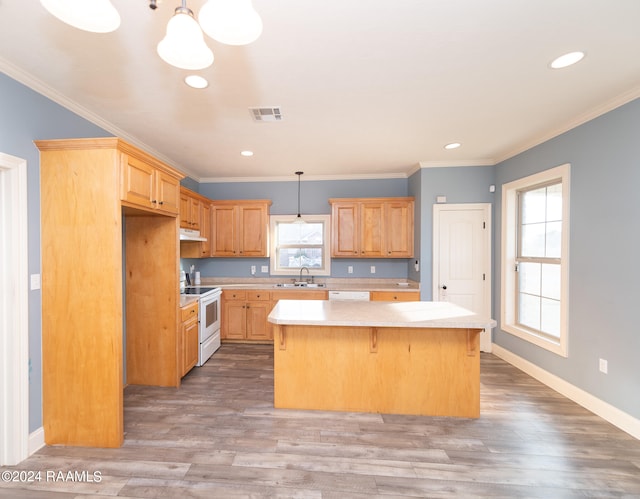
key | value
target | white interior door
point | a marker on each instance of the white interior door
(462, 259)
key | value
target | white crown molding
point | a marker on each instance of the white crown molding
(42, 88)
(289, 178)
(581, 119)
(457, 163)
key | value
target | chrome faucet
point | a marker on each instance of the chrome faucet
(301, 269)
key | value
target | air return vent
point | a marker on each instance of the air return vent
(266, 113)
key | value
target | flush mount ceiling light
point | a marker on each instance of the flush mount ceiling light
(452, 145)
(183, 46)
(566, 60)
(232, 22)
(299, 219)
(196, 81)
(246, 154)
(96, 16)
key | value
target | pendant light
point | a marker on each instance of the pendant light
(96, 16)
(299, 219)
(232, 22)
(183, 46)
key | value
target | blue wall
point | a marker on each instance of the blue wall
(26, 116)
(604, 275)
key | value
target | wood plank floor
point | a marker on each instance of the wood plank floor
(219, 436)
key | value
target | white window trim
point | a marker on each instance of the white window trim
(326, 220)
(509, 249)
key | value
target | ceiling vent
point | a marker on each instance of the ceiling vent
(265, 114)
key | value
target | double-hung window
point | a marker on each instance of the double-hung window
(535, 258)
(296, 245)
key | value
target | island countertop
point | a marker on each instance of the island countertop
(419, 314)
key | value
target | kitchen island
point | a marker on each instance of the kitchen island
(418, 358)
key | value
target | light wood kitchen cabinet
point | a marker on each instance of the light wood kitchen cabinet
(88, 281)
(244, 315)
(240, 228)
(189, 337)
(198, 249)
(189, 210)
(372, 228)
(147, 185)
(394, 296)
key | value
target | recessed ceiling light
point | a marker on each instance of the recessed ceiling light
(247, 153)
(566, 60)
(196, 81)
(453, 145)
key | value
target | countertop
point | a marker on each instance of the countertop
(418, 314)
(329, 284)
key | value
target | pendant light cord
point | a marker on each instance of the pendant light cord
(299, 174)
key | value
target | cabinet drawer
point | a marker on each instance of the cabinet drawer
(395, 296)
(189, 311)
(234, 295)
(256, 295)
(300, 295)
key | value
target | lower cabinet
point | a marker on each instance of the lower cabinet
(245, 312)
(395, 296)
(244, 315)
(189, 338)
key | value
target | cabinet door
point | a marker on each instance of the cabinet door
(257, 324)
(194, 213)
(223, 236)
(138, 182)
(253, 230)
(205, 229)
(234, 320)
(344, 230)
(185, 207)
(189, 345)
(399, 229)
(372, 229)
(167, 193)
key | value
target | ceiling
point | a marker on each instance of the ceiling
(366, 88)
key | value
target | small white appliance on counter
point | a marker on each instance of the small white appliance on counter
(208, 319)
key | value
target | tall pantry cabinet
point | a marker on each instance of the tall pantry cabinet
(109, 244)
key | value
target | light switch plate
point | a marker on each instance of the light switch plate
(35, 281)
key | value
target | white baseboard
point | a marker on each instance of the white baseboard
(36, 440)
(606, 411)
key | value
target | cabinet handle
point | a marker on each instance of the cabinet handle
(154, 201)
(161, 202)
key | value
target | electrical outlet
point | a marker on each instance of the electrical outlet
(604, 366)
(264, 269)
(373, 269)
(350, 269)
(253, 270)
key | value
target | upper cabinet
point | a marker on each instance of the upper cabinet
(146, 184)
(240, 228)
(195, 213)
(189, 209)
(372, 228)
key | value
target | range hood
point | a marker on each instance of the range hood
(191, 235)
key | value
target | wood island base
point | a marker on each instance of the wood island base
(419, 371)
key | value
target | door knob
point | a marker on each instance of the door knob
(444, 286)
